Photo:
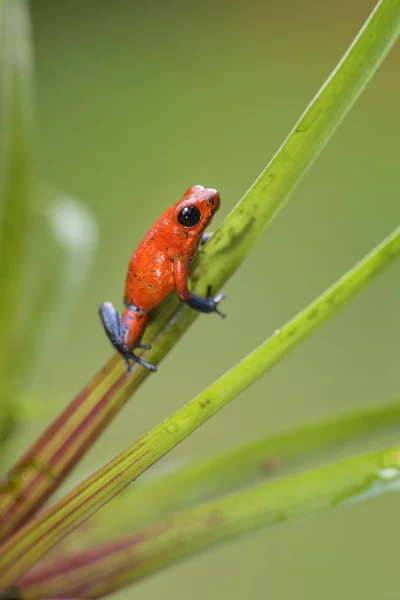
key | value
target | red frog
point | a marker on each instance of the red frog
(159, 264)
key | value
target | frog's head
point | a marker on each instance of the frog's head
(196, 209)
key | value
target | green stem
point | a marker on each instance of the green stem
(16, 160)
(15, 192)
(232, 241)
(126, 560)
(230, 471)
(219, 259)
(248, 220)
(240, 231)
(33, 540)
(271, 504)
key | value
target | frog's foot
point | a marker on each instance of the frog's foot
(207, 304)
(140, 361)
(125, 332)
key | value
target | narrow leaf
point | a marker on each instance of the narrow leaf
(33, 540)
(46, 464)
(109, 390)
(16, 180)
(230, 471)
(69, 235)
(107, 568)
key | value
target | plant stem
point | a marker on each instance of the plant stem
(16, 181)
(220, 257)
(215, 263)
(126, 560)
(33, 540)
(230, 471)
(248, 220)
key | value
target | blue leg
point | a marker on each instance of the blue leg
(205, 237)
(207, 304)
(142, 362)
(112, 324)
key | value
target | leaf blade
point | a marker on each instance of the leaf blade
(16, 182)
(33, 540)
(123, 561)
(225, 250)
(247, 465)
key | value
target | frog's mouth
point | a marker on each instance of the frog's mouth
(212, 204)
(210, 216)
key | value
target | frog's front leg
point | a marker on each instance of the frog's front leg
(204, 305)
(125, 333)
(205, 237)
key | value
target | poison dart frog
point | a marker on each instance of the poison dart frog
(159, 264)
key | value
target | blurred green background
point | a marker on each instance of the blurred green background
(136, 102)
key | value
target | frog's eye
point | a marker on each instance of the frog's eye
(189, 216)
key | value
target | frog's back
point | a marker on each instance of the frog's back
(150, 275)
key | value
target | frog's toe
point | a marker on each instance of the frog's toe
(142, 362)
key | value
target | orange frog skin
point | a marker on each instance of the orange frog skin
(160, 264)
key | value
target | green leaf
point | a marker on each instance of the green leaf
(109, 567)
(230, 471)
(16, 158)
(218, 260)
(33, 540)
(16, 181)
(111, 387)
(247, 221)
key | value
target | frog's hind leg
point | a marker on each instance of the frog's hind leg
(125, 333)
(140, 361)
(112, 323)
(133, 324)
